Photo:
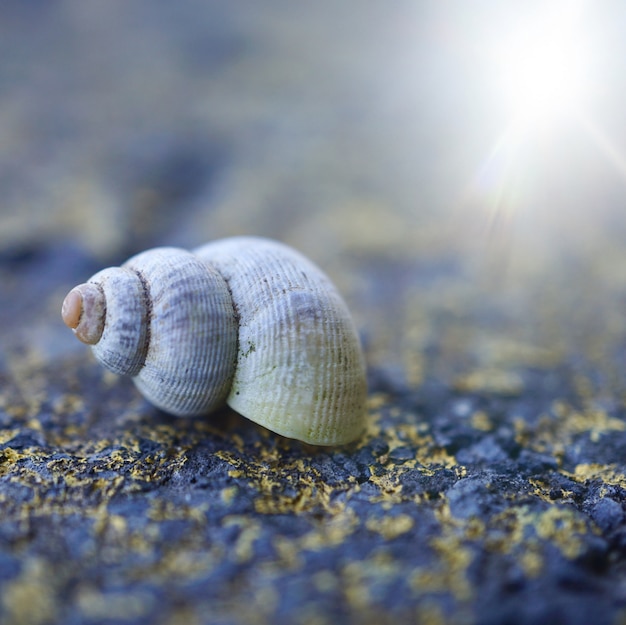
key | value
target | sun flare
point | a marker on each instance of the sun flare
(543, 67)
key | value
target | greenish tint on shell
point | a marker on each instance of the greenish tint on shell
(300, 371)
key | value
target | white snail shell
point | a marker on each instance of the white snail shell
(245, 320)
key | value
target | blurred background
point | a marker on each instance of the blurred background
(457, 168)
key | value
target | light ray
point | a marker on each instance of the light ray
(606, 146)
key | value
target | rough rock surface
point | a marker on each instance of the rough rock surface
(490, 486)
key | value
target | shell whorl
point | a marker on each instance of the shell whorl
(84, 309)
(300, 370)
(192, 330)
(123, 345)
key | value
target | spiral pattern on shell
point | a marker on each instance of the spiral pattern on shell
(245, 320)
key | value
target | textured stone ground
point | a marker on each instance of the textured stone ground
(490, 486)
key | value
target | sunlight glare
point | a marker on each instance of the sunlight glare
(543, 68)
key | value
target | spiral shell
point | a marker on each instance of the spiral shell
(244, 320)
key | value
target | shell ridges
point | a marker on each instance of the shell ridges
(193, 335)
(300, 370)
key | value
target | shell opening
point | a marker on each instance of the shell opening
(83, 312)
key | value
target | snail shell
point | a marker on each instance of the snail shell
(245, 320)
